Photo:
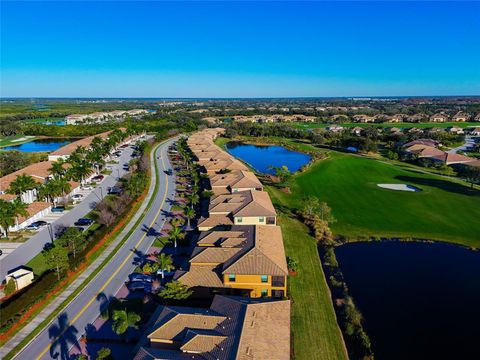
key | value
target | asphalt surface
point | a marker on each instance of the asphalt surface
(30, 248)
(58, 337)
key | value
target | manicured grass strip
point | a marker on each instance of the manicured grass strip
(9, 140)
(315, 331)
(95, 272)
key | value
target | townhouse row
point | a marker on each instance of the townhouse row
(239, 260)
(40, 172)
(103, 116)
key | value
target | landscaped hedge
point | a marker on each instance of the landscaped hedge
(14, 307)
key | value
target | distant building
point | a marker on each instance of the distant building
(104, 116)
(461, 117)
(439, 117)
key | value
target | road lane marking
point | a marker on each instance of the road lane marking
(112, 276)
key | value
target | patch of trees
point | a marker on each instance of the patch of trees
(14, 160)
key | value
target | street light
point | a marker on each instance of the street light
(50, 231)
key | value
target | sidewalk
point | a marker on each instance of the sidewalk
(39, 318)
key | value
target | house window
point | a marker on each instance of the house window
(264, 292)
(264, 278)
(261, 219)
(231, 277)
(239, 219)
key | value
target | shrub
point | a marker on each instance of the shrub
(103, 353)
(11, 287)
(13, 308)
(292, 264)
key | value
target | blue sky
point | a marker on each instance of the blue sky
(232, 49)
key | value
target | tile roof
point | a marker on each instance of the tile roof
(174, 322)
(85, 142)
(240, 328)
(39, 171)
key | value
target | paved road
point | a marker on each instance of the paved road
(57, 338)
(29, 249)
(468, 144)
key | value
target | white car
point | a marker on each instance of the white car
(87, 187)
(77, 197)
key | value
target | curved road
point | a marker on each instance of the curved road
(63, 331)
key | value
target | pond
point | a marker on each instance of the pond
(419, 300)
(261, 158)
(39, 145)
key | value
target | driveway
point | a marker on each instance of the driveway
(29, 249)
(468, 144)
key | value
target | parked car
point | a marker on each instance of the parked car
(87, 187)
(36, 225)
(139, 286)
(98, 178)
(114, 190)
(77, 197)
(169, 172)
(83, 222)
(133, 277)
(58, 209)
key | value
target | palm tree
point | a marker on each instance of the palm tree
(50, 191)
(193, 199)
(81, 170)
(21, 184)
(57, 169)
(189, 214)
(7, 216)
(123, 319)
(19, 208)
(165, 263)
(63, 186)
(174, 235)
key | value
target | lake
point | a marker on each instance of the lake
(419, 300)
(262, 157)
(39, 145)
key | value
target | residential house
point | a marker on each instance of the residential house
(248, 207)
(233, 328)
(455, 130)
(423, 151)
(475, 131)
(246, 261)
(439, 117)
(452, 158)
(461, 117)
(397, 118)
(36, 207)
(427, 142)
(65, 151)
(416, 118)
(234, 181)
(362, 118)
(335, 128)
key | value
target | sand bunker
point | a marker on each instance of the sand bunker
(399, 187)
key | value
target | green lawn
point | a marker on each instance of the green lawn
(302, 125)
(10, 140)
(315, 331)
(445, 210)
